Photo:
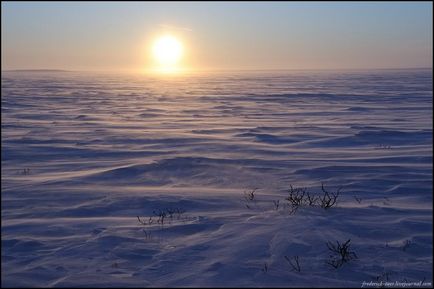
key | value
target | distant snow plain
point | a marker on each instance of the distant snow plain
(115, 180)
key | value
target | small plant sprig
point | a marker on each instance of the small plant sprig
(299, 196)
(173, 213)
(296, 196)
(406, 245)
(161, 214)
(265, 268)
(276, 205)
(294, 263)
(25, 171)
(149, 222)
(384, 146)
(249, 196)
(159, 217)
(341, 253)
(359, 200)
(328, 200)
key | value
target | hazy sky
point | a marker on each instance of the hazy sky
(218, 35)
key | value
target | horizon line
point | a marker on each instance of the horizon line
(213, 70)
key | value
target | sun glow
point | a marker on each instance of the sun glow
(167, 52)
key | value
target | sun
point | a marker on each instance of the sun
(167, 51)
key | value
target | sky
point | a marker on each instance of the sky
(118, 36)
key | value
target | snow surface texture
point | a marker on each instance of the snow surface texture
(83, 155)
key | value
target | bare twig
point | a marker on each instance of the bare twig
(250, 195)
(328, 200)
(276, 204)
(342, 253)
(406, 245)
(294, 262)
(265, 268)
(359, 200)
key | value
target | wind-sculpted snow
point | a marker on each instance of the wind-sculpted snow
(84, 155)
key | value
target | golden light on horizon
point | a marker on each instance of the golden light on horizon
(167, 51)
